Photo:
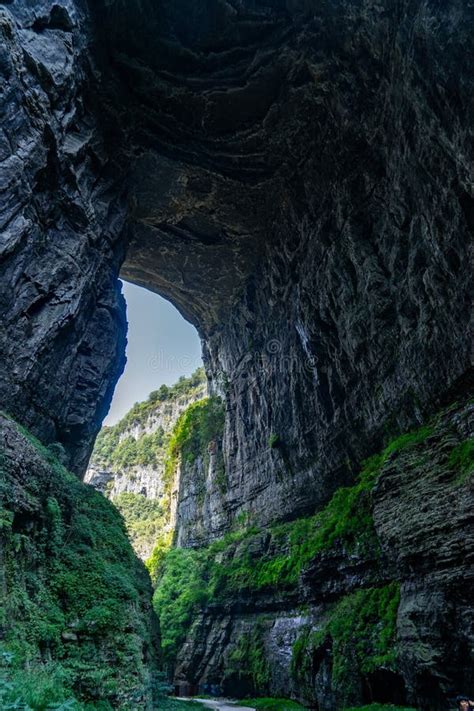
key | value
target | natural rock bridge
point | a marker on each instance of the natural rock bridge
(294, 177)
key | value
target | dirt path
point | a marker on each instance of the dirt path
(220, 705)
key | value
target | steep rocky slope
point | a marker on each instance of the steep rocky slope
(368, 600)
(302, 193)
(75, 613)
(298, 185)
(129, 459)
(61, 215)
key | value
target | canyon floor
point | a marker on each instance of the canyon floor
(220, 704)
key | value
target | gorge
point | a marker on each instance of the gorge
(296, 178)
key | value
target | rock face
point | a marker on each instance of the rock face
(422, 543)
(130, 459)
(310, 234)
(297, 185)
(62, 313)
(114, 474)
(294, 178)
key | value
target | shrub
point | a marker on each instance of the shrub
(180, 591)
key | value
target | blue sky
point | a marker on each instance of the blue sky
(161, 347)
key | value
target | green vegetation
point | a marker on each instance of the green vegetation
(362, 628)
(147, 450)
(274, 441)
(170, 704)
(199, 425)
(147, 521)
(461, 460)
(43, 688)
(247, 661)
(197, 429)
(74, 611)
(144, 519)
(186, 580)
(181, 589)
(269, 704)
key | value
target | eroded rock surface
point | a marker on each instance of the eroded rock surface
(421, 508)
(296, 179)
(288, 196)
(62, 313)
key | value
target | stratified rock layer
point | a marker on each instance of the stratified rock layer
(296, 179)
(421, 509)
(62, 313)
(302, 193)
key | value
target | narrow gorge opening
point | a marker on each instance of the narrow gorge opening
(161, 348)
(162, 379)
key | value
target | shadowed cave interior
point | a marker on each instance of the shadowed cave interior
(295, 179)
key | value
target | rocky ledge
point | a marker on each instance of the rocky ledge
(368, 600)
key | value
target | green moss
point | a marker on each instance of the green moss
(188, 579)
(461, 460)
(74, 607)
(274, 441)
(181, 590)
(347, 519)
(362, 631)
(201, 423)
(248, 662)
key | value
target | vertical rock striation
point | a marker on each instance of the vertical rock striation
(296, 179)
(61, 214)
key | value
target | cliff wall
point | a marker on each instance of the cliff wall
(297, 181)
(128, 463)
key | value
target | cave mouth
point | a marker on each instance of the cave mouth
(161, 348)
